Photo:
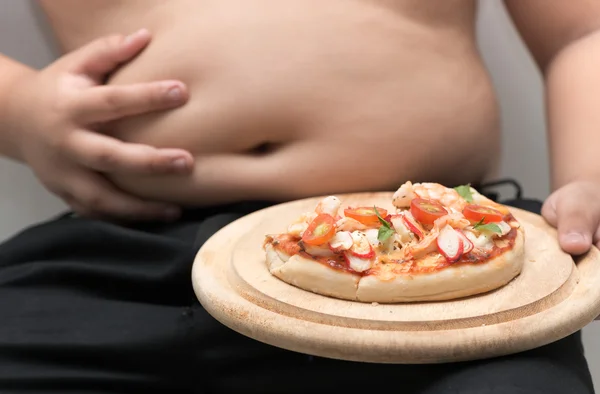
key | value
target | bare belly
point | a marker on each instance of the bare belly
(293, 98)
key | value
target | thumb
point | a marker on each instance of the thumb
(576, 222)
(104, 55)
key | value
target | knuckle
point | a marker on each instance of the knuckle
(66, 104)
(153, 96)
(157, 95)
(142, 98)
(94, 202)
(60, 143)
(106, 159)
(151, 163)
(65, 143)
(138, 160)
(63, 105)
(112, 100)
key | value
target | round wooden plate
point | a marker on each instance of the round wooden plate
(553, 297)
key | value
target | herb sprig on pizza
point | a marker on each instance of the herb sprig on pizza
(437, 243)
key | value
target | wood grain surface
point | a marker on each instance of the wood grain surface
(553, 297)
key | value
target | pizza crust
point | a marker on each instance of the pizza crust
(449, 283)
(311, 275)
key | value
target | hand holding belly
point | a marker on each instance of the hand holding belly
(51, 119)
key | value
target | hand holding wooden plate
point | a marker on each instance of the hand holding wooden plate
(553, 297)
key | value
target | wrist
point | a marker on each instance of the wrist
(589, 175)
(572, 118)
(13, 112)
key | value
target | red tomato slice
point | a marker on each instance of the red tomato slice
(320, 230)
(426, 211)
(476, 213)
(366, 215)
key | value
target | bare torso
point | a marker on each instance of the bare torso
(292, 98)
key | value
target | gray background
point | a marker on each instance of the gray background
(518, 83)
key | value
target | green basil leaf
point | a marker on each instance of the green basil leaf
(490, 227)
(384, 233)
(465, 192)
(382, 220)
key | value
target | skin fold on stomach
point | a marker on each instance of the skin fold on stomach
(296, 101)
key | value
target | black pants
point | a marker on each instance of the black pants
(92, 307)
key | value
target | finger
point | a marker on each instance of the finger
(93, 196)
(576, 222)
(104, 55)
(105, 103)
(106, 154)
(549, 210)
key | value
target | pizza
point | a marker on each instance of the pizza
(431, 243)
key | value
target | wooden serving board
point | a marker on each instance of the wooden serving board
(553, 297)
